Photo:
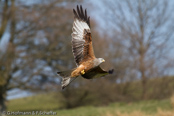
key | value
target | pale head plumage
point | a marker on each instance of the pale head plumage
(98, 61)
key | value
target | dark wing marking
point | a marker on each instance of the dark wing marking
(81, 36)
(81, 16)
(96, 72)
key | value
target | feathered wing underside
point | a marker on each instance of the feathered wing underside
(81, 36)
(96, 72)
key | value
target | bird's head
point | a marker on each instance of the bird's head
(98, 61)
(101, 60)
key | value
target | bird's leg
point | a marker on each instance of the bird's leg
(83, 72)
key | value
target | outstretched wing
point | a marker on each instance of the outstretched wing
(81, 37)
(96, 72)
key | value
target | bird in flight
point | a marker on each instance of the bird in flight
(87, 64)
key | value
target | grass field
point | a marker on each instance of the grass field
(38, 102)
(120, 109)
(44, 102)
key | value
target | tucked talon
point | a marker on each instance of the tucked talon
(82, 72)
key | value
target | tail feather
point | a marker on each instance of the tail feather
(65, 73)
(65, 82)
(66, 78)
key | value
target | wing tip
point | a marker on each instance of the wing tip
(111, 71)
(81, 15)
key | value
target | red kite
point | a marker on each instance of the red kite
(87, 64)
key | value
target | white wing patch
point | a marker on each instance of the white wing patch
(78, 28)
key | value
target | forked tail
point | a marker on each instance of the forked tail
(66, 78)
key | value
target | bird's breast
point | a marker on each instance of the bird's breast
(88, 65)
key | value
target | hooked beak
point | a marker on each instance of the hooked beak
(103, 60)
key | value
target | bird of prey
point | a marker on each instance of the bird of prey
(87, 64)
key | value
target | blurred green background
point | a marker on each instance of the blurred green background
(135, 37)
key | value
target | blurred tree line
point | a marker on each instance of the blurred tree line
(39, 45)
(135, 43)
